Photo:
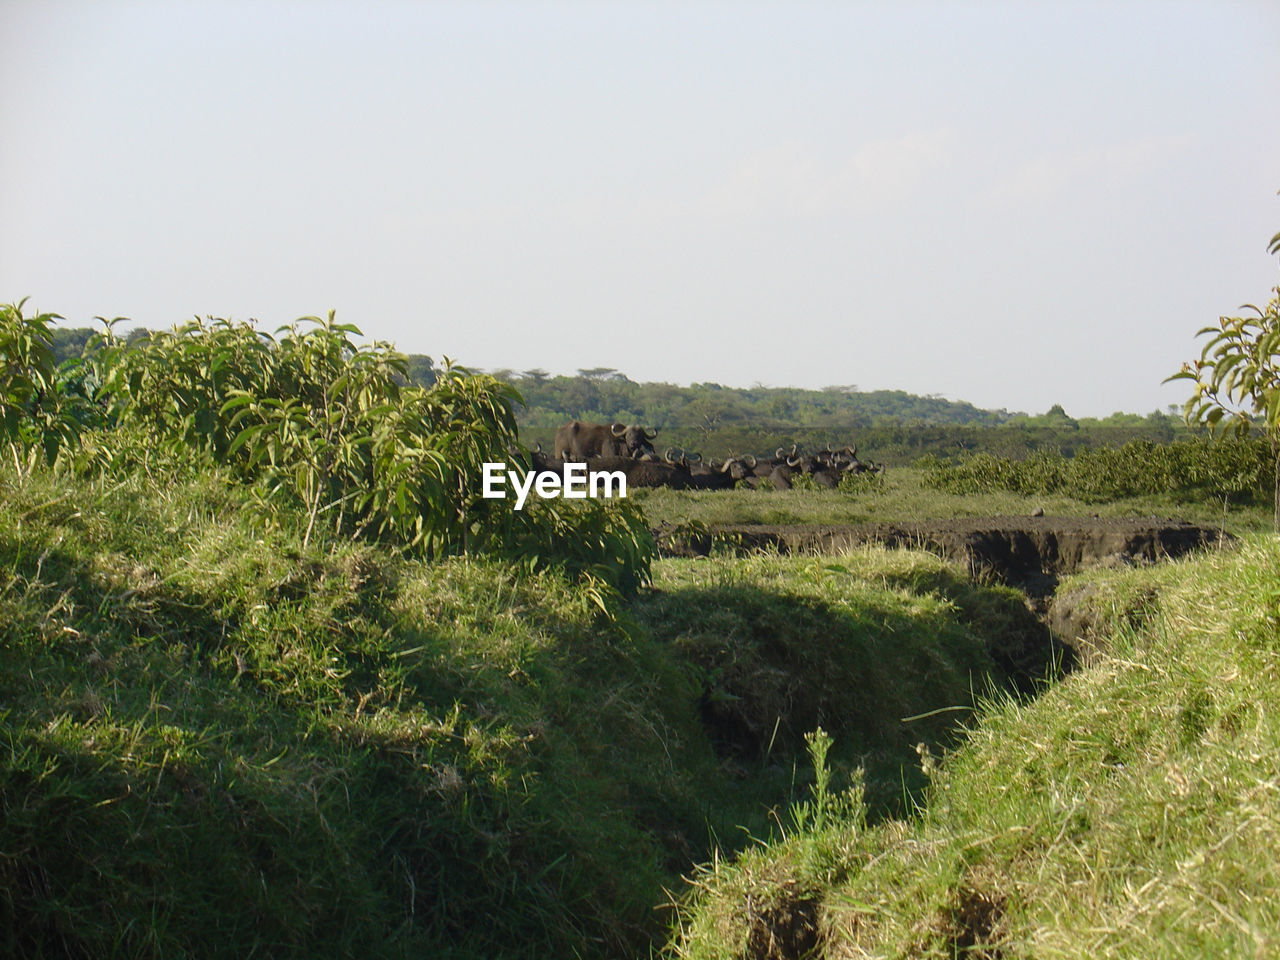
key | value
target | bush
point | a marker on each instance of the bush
(1237, 468)
(326, 429)
(37, 415)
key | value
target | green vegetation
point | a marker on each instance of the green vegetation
(37, 417)
(275, 681)
(316, 425)
(1130, 811)
(1184, 472)
(1236, 380)
(890, 426)
(780, 644)
(219, 741)
(907, 494)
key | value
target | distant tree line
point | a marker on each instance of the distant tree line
(334, 433)
(891, 426)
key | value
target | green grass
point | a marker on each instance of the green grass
(1133, 810)
(901, 496)
(216, 742)
(782, 645)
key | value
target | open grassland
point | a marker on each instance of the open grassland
(902, 495)
(217, 741)
(1131, 811)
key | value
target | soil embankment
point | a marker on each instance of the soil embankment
(1028, 552)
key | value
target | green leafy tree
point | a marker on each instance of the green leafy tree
(36, 416)
(1236, 380)
(333, 431)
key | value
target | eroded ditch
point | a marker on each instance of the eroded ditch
(1029, 553)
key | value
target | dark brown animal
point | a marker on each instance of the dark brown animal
(645, 473)
(582, 441)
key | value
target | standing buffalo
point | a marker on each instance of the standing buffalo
(580, 441)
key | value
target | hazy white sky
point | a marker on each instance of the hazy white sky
(1014, 204)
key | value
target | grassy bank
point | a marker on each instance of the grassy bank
(220, 743)
(1133, 810)
(784, 645)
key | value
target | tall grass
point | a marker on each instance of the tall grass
(782, 646)
(219, 741)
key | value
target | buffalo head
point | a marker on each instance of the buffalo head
(580, 441)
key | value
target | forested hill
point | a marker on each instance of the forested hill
(612, 396)
(888, 425)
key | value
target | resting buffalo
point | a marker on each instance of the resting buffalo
(825, 467)
(645, 473)
(580, 441)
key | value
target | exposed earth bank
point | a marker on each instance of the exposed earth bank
(1021, 551)
(1027, 552)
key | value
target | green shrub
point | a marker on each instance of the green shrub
(36, 413)
(329, 430)
(1235, 468)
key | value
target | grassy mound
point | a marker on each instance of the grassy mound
(219, 743)
(783, 645)
(1133, 810)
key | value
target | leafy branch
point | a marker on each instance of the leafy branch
(1236, 380)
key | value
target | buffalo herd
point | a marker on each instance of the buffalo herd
(617, 447)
